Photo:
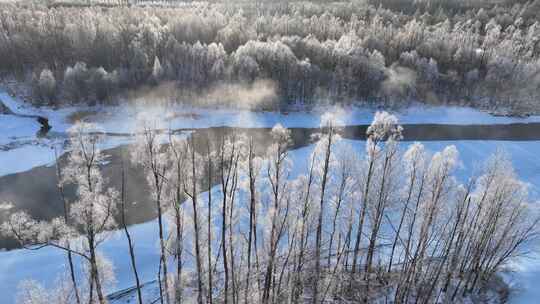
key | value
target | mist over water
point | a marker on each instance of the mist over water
(259, 94)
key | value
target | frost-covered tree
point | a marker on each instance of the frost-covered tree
(76, 82)
(191, 190)
(148, 154)
(343, 51)
(157, 70)
(253, 167)
(47, 85)
(323, 156)
(91, 214)
(384, 129)
(278, 206)
(94, 209)
(33, 292)
(102, 84)
(176, 186)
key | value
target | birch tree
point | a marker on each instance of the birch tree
(277, 174)
(149, 154)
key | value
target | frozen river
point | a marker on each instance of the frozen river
(28, 180)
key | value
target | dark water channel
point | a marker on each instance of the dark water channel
(35, 190)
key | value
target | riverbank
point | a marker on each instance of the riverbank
(187, 116)
(22, 135)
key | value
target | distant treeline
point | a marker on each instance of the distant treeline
(484, 53)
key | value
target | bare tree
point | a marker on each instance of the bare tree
(328, 126)
(253, 168)
(148, 153)
(277, 172)
(128, 235)
(66, 219)
(95, 206)
(191, 190)
(176, 185)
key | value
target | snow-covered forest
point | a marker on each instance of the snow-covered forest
(482, 53)
(264, 152)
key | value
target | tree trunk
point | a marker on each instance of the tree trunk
(163, 250)
(196, 224)
(66, 219)
(94, 270)
(362, 217)
(209, 228)
(252, 228)
(320, 220)
(128, 236)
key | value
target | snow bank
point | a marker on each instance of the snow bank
(25, 158)
(123, 119)
(27, 155)
(20, 133)
(17, 128)
(58, 118)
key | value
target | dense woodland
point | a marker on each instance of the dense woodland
(386, 224)
(483, 53)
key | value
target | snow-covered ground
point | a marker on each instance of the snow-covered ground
(123, 119)
(178, 117)
(20, 150)
(21, 264)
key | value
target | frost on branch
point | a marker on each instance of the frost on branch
(384, 126)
